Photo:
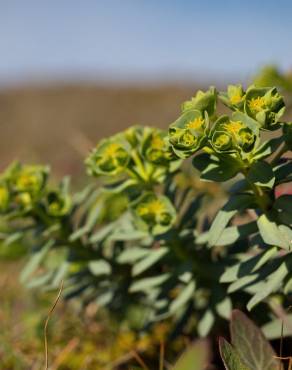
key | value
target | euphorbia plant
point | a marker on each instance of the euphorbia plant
(161, 256)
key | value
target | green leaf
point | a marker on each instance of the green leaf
(184, 296)
(235, 204)
(230, 357)
(267, 148)
(215, 168)
(283, 205)
(153, 257)
(60, 274)
(148, 283)
(283, 172)
(273, 329)
(274, 234)
(274, 282)
(234, 233)
(14, 237)
(248, 266)
(104, 298)
(102, 233)
(40, 281)
(99, 267)
(224, 308)
(121, 186)
(196, 357)
(251, 344)
(242, 282)
(35, 261)
(128, 235)
(89, 224)
(261, 174)
(206, 323)
(132, 254)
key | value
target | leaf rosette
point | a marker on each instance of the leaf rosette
(154, 212)
(110, 157)
(188, 133)
(265, 105)
(230, 135)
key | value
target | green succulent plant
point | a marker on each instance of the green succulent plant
(142, 239)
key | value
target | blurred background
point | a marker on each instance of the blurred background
(72, 72)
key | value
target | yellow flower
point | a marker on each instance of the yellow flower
(24, 199)
(111, 149)
(257, 104)
(27, 180)
(156, 206)
(222, 140)
(233, 127)
(157, 142)
(235, 99)
(196, 124)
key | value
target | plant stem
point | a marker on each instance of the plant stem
(140, 167)
(260, 196)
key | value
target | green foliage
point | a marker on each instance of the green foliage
(145, 240)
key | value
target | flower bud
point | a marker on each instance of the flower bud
(265, 105)
(155, 211)
(29, 179)
(58, 204)
(203, 102)
(156, 148)
(231, 136)
(234, 98)
(187, 133)
(110, 157)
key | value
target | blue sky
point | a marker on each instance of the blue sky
(142, 39)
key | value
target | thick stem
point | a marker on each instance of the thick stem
(261, 197)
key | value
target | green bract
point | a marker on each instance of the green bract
(155, 211)
(202, 101)
(234, 97)
(188, 133)
(4, 197)
(231, 135)
(156, 148)
(265, 105)
(110, 157)
(57, 203)
(28, 179)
